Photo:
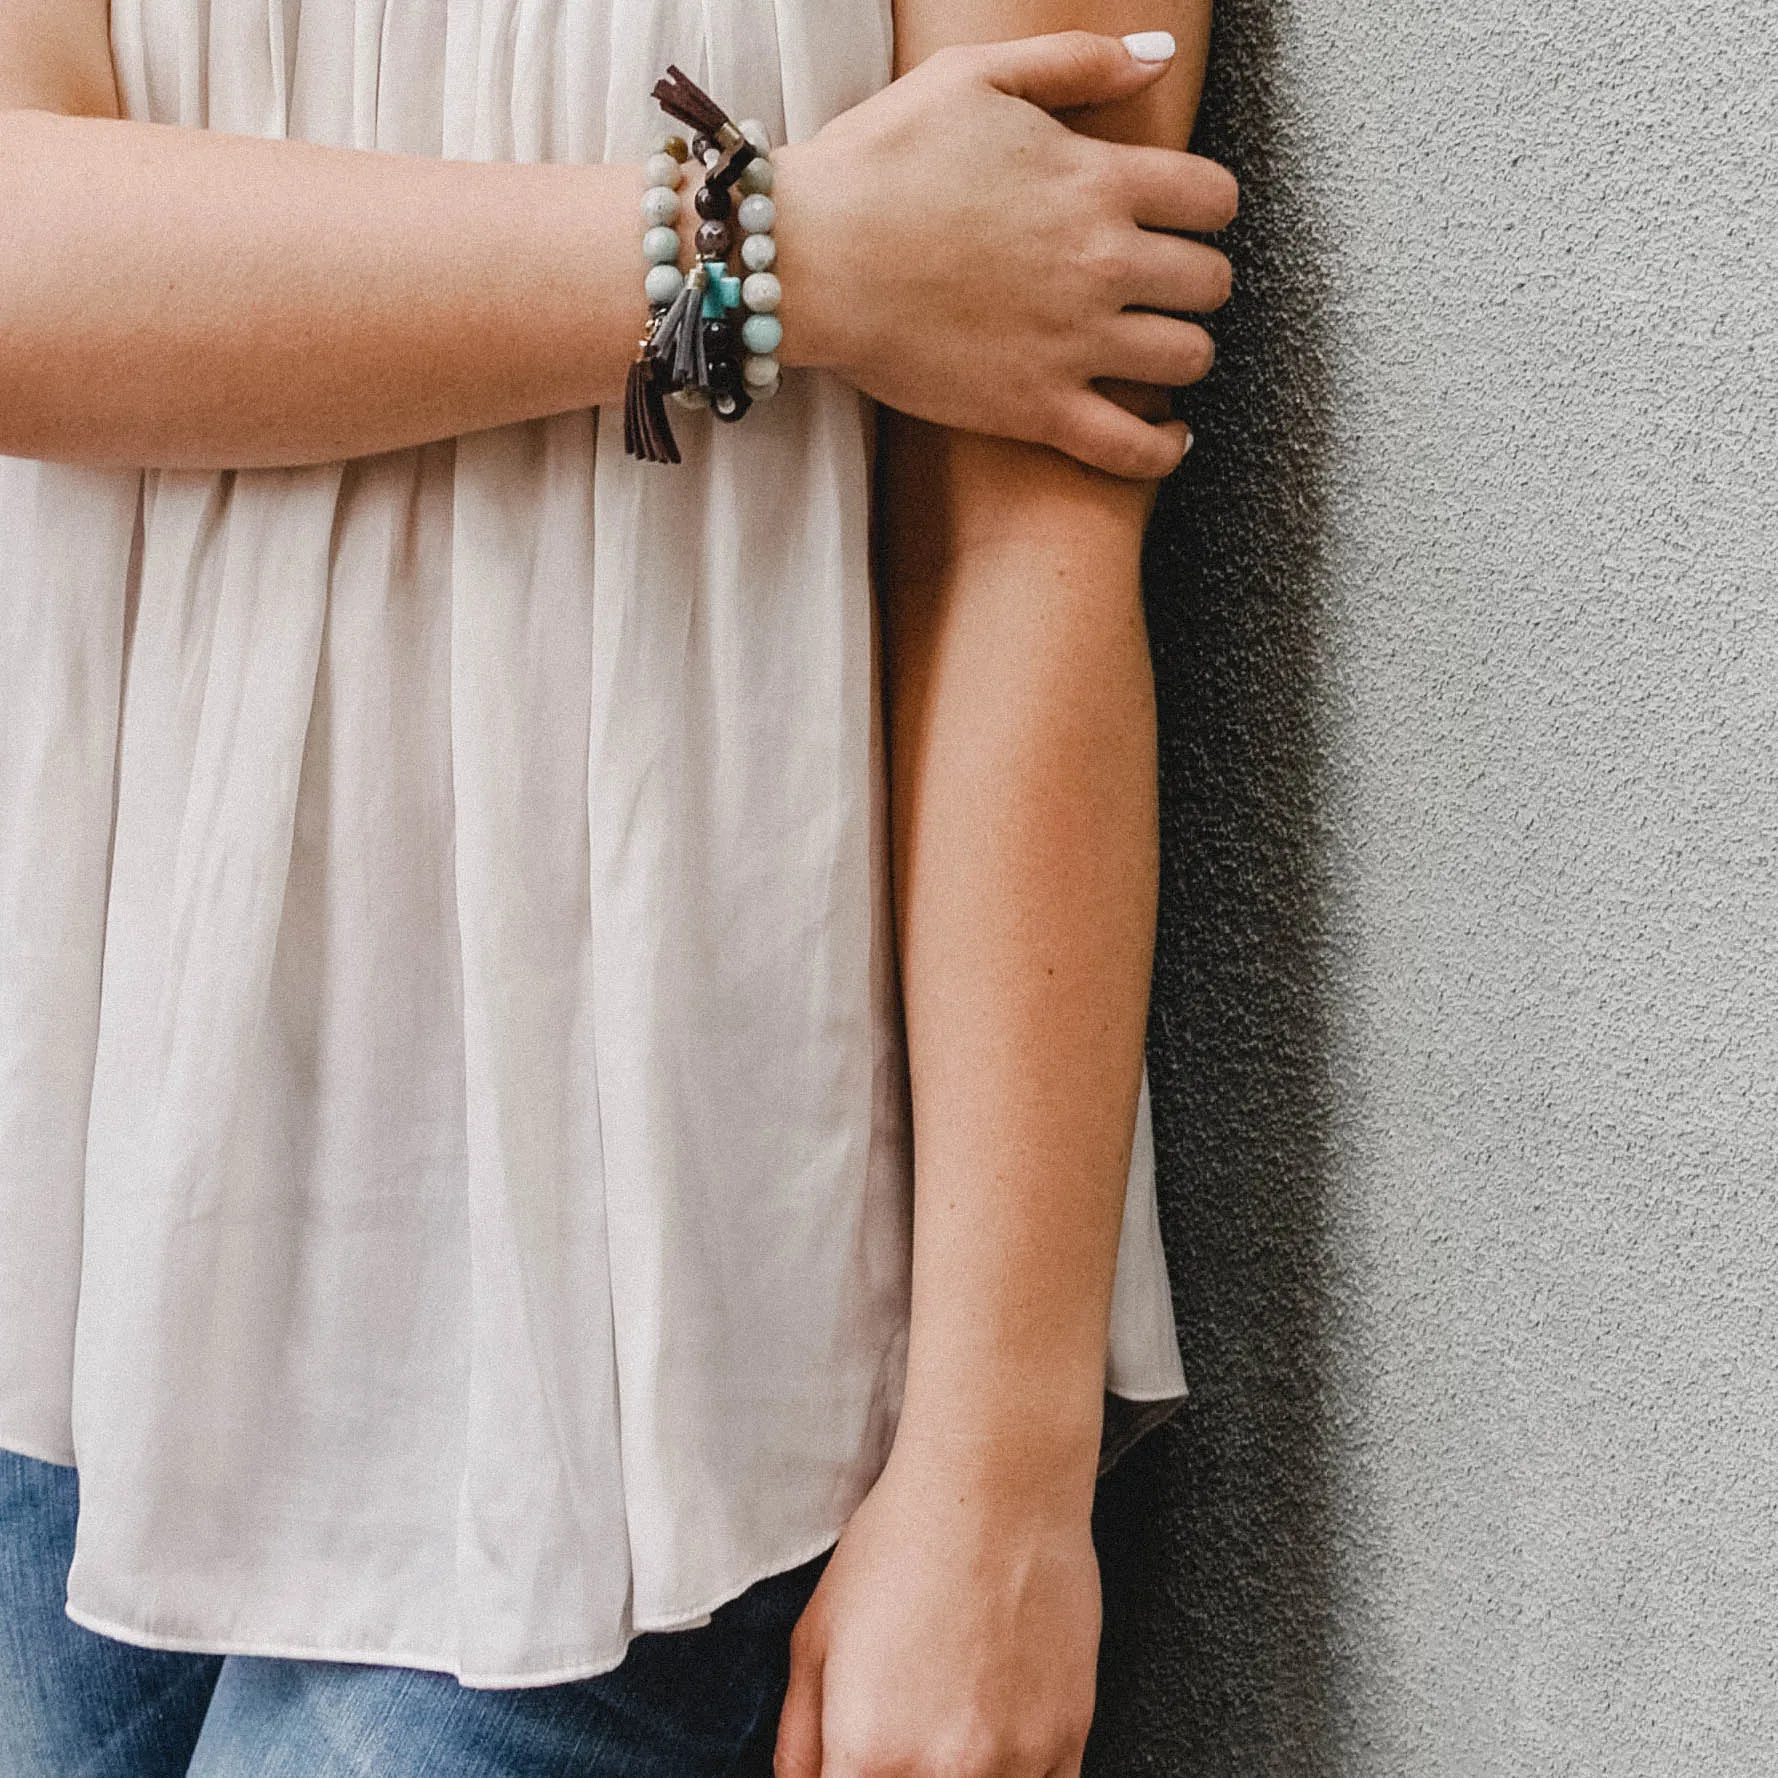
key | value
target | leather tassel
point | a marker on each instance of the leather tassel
(663, 447)
(663, 345)
(681, 97)
(648, 433)
(676, 340)
(632, 390)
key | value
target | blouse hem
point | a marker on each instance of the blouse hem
(24, 1448)
(692, 1618)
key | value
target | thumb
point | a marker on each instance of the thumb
(1069, 68)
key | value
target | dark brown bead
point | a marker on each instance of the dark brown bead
(700, 146)
(714, 239)
(713, 203)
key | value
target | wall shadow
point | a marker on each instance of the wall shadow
(1214, 1533)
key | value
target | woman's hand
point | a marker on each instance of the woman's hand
(959, 254)
(954, 1634)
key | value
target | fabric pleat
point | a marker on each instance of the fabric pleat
(453, 1113)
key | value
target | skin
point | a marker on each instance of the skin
(186, 298)
(955, 1632)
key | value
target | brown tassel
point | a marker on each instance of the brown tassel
(634, 441)
(658, 429)
(648, 433)
(681, 97)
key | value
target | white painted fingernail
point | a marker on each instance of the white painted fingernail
(1151, 46)
(1190, 440)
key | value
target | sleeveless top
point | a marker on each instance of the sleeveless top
(454, 1159)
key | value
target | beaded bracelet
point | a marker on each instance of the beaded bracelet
(693, 349)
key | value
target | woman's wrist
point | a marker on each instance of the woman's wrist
(1007, 1463)
(811, 265)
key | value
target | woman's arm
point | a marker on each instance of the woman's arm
(191, 298)
(956, 1629)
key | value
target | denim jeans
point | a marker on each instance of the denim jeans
(689, 1704)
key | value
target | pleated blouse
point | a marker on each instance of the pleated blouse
(454, 1151)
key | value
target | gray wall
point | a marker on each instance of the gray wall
(1465, 1034)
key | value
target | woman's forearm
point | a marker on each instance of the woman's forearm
(194, 299)
(184, 297)
(954, 1631)
(1023, 767)
(1023, 772)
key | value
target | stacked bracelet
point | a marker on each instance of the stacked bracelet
(712, 334)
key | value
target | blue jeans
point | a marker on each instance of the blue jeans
(691, 1704)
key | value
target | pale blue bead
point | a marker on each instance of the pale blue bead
(663, 283)
(759, 371)
(660, 246)
(756, 133)
(660, 206)
(762, 292)
(757, 213)
(661, 169)
(758, 252)
(762, 333)
(756, 176)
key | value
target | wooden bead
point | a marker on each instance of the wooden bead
(714, 239)
(713, 203)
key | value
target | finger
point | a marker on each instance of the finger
(1161, 349)
(1105, 436)
(1167, 189)
(1167, 272)
(1068, 68)
(798, 1750)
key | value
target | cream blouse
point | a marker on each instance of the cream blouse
(453, 1139)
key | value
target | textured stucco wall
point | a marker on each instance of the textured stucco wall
(1465, 1038)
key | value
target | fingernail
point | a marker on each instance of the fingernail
(1151, 46)
(1190, 439)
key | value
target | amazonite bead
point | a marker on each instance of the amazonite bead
(758, 370)
(663, 283)
(661, 169)
(660, 206)
(762, 292)
(660, 246)
(762, 333)
(757, 213)
(756, 176)
(756, 133)
(758, 252)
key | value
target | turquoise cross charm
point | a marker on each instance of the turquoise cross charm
(722, 290)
